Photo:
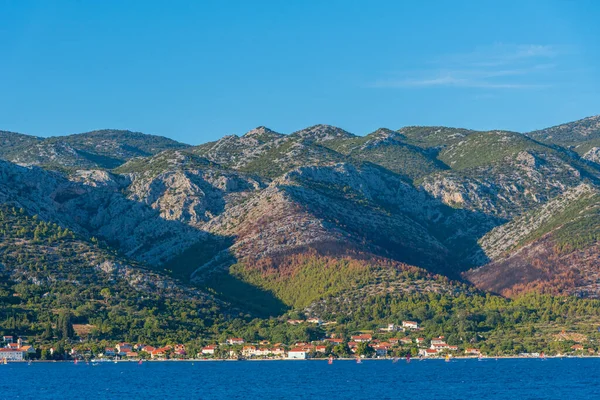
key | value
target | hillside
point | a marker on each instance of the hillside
(553, 248)
(98, 149)
(583, 136)
(268, 222)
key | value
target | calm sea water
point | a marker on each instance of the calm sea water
(431, 379)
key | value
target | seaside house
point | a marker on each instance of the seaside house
(123, 348)
(472, 351)
(209, 350)
(109, 352)
(297, 354)
(248, 351)
(278, 351)
(235, 341)
(320, 349)
(131, 354)
(420, 340)
(12, 354)
(148, 349)
(428, 352)
(314, 321)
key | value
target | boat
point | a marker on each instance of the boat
(330, 360)
(394, 360)
(5, 361)
(75, 362)
(358, 360)
(447, 358)
(407, 357)
(140, 362)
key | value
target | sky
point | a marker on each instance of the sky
(198, 70)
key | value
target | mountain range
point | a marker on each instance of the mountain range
(265, 222)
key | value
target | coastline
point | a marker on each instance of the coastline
(414, 359)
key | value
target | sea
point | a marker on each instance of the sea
(552, 378)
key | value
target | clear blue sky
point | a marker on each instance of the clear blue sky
(198, 70)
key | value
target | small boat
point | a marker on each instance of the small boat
(407, 357)
(29, 362)
(394, 360)
(5, 361)
(75, 362)
(480, 357)
(140, 362)
(330, 360)
(358, 360)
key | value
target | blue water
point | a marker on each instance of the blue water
(432, 379)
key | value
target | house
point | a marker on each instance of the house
(420, 340)
(179, 348)
(406, 340)
(438, 340)
(297, 354)
(410, 325)
(28, 349)
(472, 351)
(235, 341)
(439, 346)
(248, 351)
(321, 349)
(159, 353)
(577, 347)
(353, 346)
(7, 339)
(428, 352)
(210, 350)
(294, 321)
(131, 354)
(335, 341)
(13, 346)
(148, 349)
(264, 343)
(12, 354)
(277, 351)
(362, 338)
(109, 352)
(314, 321)
(453, 348)
(124, 348)
(389, 328)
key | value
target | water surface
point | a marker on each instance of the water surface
(575, 378)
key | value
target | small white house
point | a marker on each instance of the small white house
(410, 325)
(297, 354)
(209, 350)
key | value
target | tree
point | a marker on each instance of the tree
(364, 349)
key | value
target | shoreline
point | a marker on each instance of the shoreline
(308, 359)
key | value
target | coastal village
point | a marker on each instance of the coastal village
(386, 342)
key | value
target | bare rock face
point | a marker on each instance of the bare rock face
(504, 190)
(593, 155)
(133, 227)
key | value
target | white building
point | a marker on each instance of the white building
(11, 354)
(297, 354)
(209, 350)
(410, 325)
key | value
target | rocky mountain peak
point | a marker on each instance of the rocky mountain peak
(323, 133)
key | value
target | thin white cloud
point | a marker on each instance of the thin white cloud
(497, 67)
